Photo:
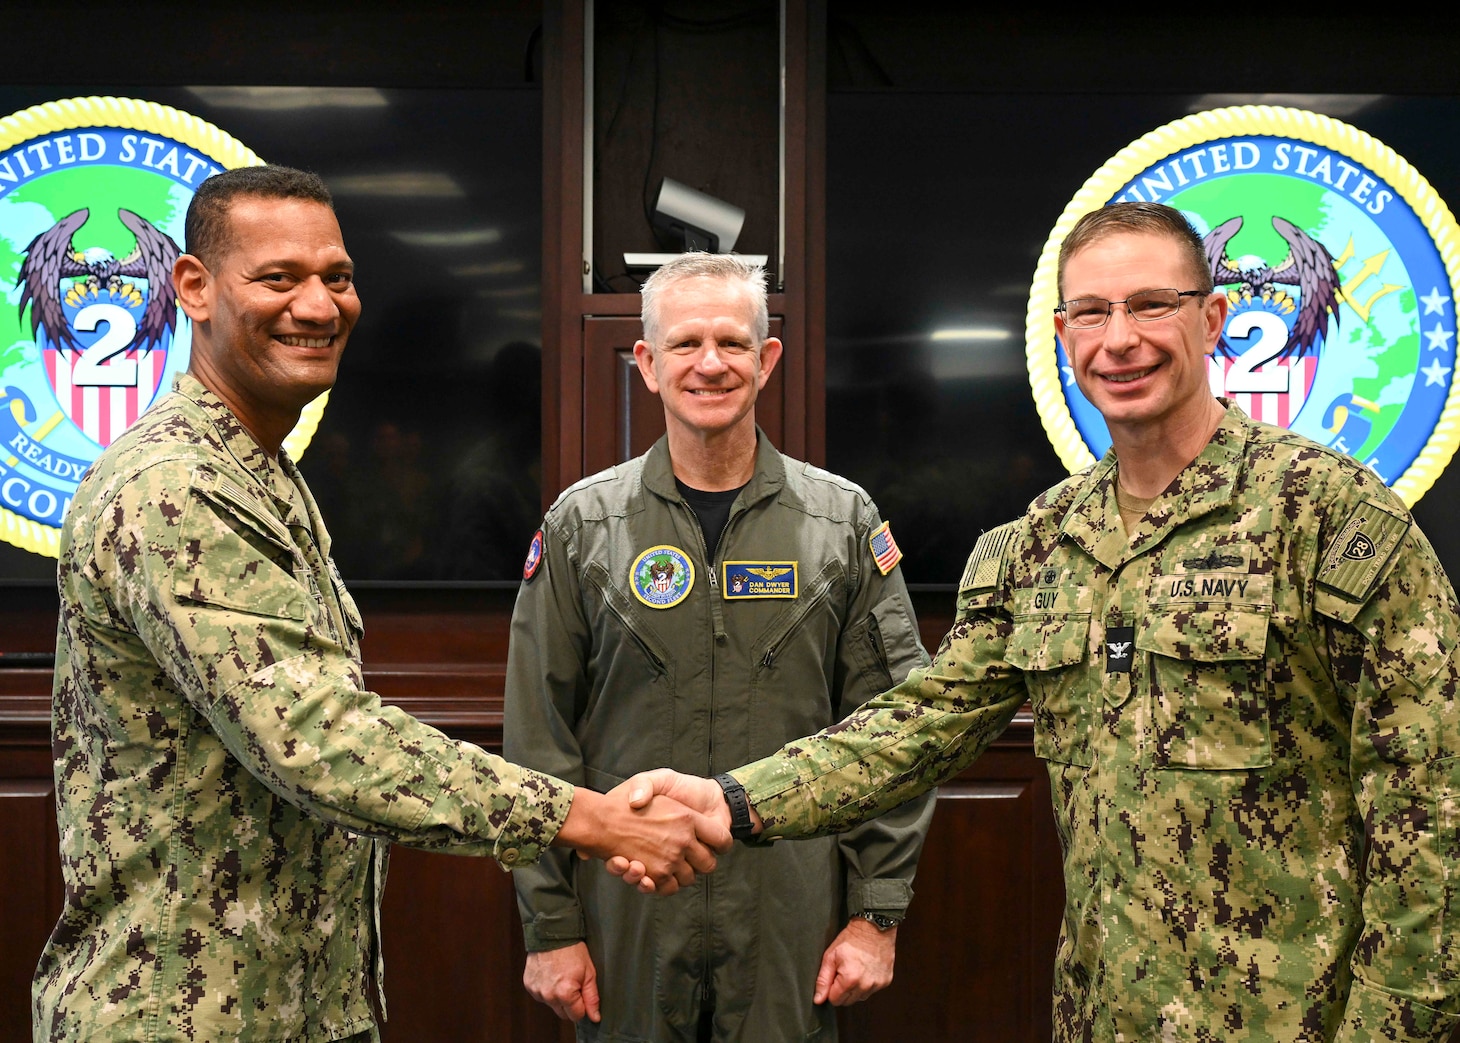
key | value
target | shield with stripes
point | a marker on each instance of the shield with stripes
(106, 384)
(1255, 364)
(1274, 394)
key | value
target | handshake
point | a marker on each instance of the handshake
(656, 830)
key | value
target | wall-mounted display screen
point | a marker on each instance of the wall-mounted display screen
(426, 459)
(938, 208)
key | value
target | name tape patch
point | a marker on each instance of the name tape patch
(759, 579)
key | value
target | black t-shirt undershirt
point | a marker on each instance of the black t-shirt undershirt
(712, 510)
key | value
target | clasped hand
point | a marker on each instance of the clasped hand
(650, 788)
(655, 832)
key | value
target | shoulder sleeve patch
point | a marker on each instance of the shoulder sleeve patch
(1358, 556)
(985, 568)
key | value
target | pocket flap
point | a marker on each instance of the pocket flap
(1212, 635)
(231, 553)
(1048, 642)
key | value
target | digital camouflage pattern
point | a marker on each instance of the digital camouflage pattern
(226, 789)
(601, 685)
(1261, 818)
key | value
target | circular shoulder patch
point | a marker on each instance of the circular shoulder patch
(1340, 266)
(93, 196)
(534, 556)
(662, 576)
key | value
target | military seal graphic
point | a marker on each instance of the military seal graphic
(662, 577)
(93, 195)
(1340, 268)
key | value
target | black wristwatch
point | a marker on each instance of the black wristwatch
(879, 921)
(741, 827)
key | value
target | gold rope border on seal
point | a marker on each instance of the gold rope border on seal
(1236, 120)
(150, 117)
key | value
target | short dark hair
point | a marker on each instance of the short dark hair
(1147, 218)
(206, 230)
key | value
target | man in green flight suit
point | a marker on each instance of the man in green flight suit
(698, 606)
(1241, 656)
(226, 789)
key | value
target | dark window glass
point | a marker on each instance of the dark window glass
(938, 205)
(426, 463)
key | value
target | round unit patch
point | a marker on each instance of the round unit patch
(1340, 268)
(534, 556)
(662, 577)
(93, 196)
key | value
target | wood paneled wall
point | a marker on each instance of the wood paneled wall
(982, 927)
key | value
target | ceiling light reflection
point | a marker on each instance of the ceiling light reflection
(971, 333)
(453, 239)
(467, 271)
(422, 184)
(279, 98)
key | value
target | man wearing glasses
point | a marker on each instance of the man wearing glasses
(1240, 653)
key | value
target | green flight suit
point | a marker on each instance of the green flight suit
(1256, 785)
(601, 685)
(225, 787)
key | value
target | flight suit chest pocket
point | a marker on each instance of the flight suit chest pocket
(1051, 647)
(627, 630)
(1210, 683)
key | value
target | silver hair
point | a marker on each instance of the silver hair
(697, 265)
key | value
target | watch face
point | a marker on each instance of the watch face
(882, 923)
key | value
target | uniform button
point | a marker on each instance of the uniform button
(509, 856)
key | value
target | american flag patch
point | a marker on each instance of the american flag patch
(885, 549)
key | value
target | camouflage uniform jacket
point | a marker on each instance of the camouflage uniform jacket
(224, 784)
(1248, 715)
(600, 685)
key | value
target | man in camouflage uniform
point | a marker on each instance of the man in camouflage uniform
(226, 788)
(699, 606)
(1240, 652)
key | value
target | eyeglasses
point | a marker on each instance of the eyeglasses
(1088, 313)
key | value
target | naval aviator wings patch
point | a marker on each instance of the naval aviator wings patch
(1357, 557)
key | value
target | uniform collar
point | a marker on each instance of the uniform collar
(234, 438)
(768, 479)
(1204, 485)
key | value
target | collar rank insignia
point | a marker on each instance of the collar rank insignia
(760, 579)
(1119, 649)
(534, 557)
(662, 576)
(884, 548)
